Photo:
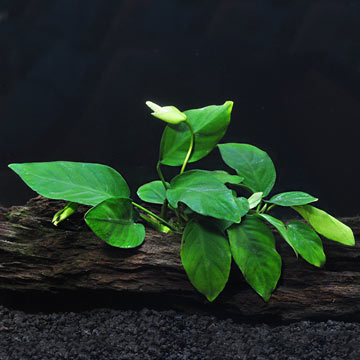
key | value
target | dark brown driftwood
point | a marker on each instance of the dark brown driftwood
(35, 255)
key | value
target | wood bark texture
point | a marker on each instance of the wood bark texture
(36, 256)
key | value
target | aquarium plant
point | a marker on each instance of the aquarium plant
(221, 215)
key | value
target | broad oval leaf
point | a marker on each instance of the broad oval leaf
(280, 227)
(153, 192)
(209, 125)
(204, 194)
(252, 163)
(307, 243)
(206, 257)
(253, 249)
(84, 183)
(326, 225)
(292, 198)
(113, 221)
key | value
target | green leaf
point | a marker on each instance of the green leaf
(84, 183)
(204, 194)
(205, 255)
(280, 227)
(255, 199)
(153, 192)
(326, 225)
(227, 178)
(223, 225)
(243, 206)
(209, 124)
(307, 242)
(253, 249)
(113, 221)
(291, 198)
(252, 163)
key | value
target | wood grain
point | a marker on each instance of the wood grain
(36, 256)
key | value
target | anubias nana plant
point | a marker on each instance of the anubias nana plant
(217, 223)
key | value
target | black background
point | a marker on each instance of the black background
(75, 75)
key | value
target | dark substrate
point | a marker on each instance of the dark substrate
(52, 328)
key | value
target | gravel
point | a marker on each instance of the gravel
(142, 334)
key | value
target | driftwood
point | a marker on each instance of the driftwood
(36, 256)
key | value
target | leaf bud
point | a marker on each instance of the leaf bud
(63, 214)
(169, 114)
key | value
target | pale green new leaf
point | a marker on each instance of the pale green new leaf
(153, 192)
(252, 163)
(64, 213)
(204, 194)
(205, 255)
(169, 114)
(326, 225)
(307, 243)
(253, 249)
(291, 198)
(209, 125)
(255, 199)
(113, 221)
(83, 183)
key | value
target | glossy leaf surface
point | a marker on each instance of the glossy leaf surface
(252, 163)
(206, 257)
(280, 227)
(326, 225)
(253, 249)
(292, 198)
(209, 125)
(204, 194)
(243, 206)
(153, 192)
(113, 221)
(307, 243)
(84, 183)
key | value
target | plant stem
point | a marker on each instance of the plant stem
(190, 147)
(270, 207)
(155, 216)
(176, 211)
(161, 176)
(165, 203)
(164, 207)
(263, 209)
(155, 224)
